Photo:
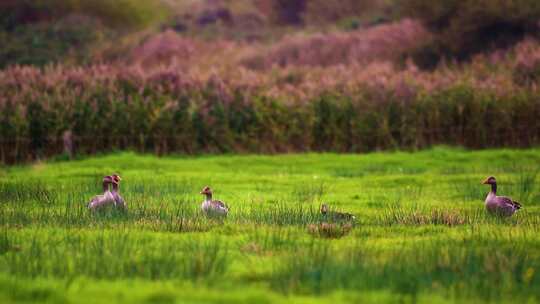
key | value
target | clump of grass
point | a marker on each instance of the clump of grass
(469, 189)
(526, 184)
(410, 192)
(276, 239)
(453, 170)
(5, 242)
(448, 218)
(27, 190)
(348, 172)
(309, 192)
(21, 292)
(464, 265)
(252, 248)
(162, 188)
(398, 215)
(301, 273)
(280, 213)
(111, 255)
(330, 230)
(182, 224)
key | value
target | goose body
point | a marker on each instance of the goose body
(335, 216)
(100, 201)
(118, 199)
(104, 199)
(500, 205)
(213, 207)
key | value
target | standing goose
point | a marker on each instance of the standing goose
(335, 216)
(104, 199)
(213, 207)
(118, 199)
(500, 205)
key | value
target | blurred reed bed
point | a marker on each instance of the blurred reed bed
(220, 108)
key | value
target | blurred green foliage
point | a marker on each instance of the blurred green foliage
(283, 12)
(118, 13)
(43, 43)
(41, 32)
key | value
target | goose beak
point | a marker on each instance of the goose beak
(486, 182)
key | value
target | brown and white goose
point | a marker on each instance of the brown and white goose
(118, 199)
(335, 216)
(104, 199)
(212, 207)
(500, 205)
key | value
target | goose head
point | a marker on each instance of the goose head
(489, 181)
(107, 180)
(206, 191)
(324, 209)
(116, 179)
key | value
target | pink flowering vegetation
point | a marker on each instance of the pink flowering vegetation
(526, 65)
(388, 42)
(206, 102)
(162, 49)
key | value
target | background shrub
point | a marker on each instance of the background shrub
(387, 42)
(41, 32)
(283, 11)
(43, 43)
(123, 13)
(465, 28)
(320, 12)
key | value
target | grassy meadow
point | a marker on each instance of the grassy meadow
(300, 99)
(421, 234)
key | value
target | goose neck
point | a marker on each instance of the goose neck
(494, 188)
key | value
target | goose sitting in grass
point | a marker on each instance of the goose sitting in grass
(335, 216)
(213, 207)
(118, 199)
(104, 199)
(500, 205)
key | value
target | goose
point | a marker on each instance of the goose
(335, 216)
(500, 205)
(104, 199)
(118, 199)
(213, 207)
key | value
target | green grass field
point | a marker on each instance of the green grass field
(421, 233)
